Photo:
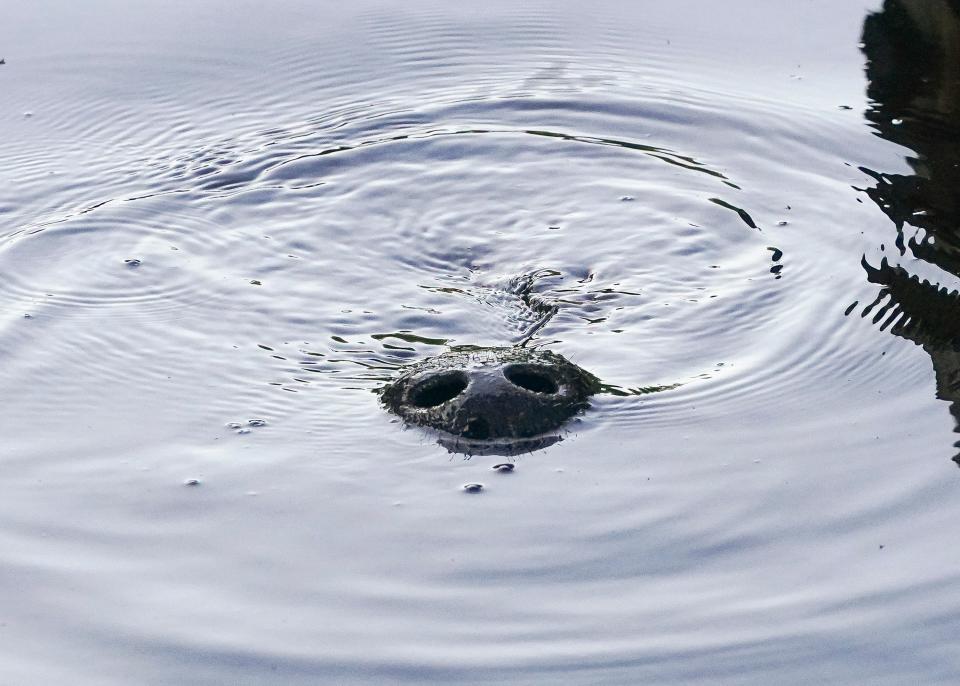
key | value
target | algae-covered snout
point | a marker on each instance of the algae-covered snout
(493, 395)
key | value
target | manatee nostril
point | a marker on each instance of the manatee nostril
(438, 389)
(531, 378)
(477, 428)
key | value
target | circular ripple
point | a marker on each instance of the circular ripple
(142, 258)
(572, 207)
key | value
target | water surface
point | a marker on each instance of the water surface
(224, 226)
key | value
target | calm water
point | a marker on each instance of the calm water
(223, 226)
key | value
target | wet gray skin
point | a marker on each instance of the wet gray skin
(497, 400)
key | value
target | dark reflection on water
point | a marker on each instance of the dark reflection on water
(913, 70)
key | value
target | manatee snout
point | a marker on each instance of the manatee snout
(491, 394)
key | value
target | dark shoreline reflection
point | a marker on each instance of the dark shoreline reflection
(913, 72)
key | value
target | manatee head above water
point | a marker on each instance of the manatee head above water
(502, 400)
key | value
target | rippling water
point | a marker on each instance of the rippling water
(224, 226)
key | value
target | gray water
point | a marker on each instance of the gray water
(224, 226)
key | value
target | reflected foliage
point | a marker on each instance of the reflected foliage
(913, 71)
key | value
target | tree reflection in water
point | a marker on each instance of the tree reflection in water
(913, 72)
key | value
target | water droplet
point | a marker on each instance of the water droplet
(626, 198)
(257, 422)
(133, 262)
(27, 115)
(234, 425)
(243, 431)
(27, 315)
(473, 488)
(255, 282)
(192, 482)
(782, 223)
(896, 122)
(504, 467)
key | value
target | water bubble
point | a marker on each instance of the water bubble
(782, 223)
(472, 488)
(27, 315)
(896, 122)
(234, 425)
(27, 115)
(254, 282)
(257, 422)
(626, 198)
(504, 467)
(192, 482)
(132, 263)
